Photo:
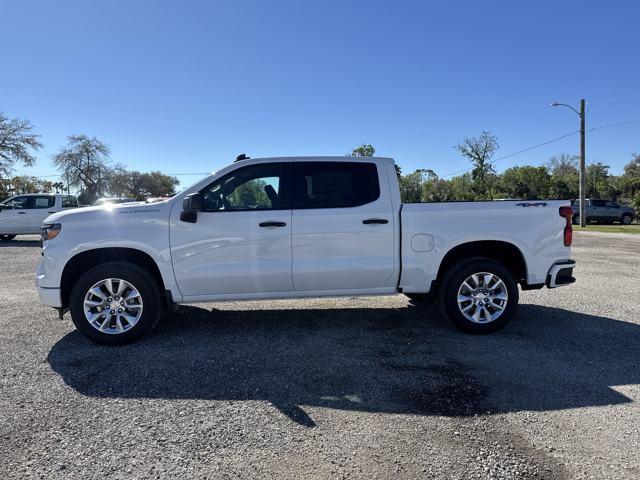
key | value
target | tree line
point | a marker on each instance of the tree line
(558, 178)
(84, 164)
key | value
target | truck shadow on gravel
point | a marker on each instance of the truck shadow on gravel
(394, 360)
(20, 243)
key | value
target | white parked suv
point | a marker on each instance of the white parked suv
(24, 214)
(298, 227)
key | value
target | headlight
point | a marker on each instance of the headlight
(50, 231)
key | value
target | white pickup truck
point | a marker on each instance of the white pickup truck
(298, 227)
(24, 214)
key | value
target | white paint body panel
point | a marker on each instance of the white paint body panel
(322, 252)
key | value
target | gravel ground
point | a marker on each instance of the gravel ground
(333, 388)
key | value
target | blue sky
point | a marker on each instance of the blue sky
(185, 86)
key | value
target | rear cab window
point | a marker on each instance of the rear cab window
(69, 201)
(334, 184)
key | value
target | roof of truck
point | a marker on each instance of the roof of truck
(329, 158)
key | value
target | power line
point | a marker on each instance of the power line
(613, 99)
(619, 124)
(614, 125)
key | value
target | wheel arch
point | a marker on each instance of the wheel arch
(504, 252)
(81, 262)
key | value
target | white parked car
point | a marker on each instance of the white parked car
(24, 214)
(293, 228)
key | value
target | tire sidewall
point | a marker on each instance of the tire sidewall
(453, 281)
(141, 279)
(624, 217)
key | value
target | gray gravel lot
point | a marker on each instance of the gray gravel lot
(332, 388)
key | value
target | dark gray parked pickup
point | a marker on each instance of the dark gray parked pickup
(603, 211)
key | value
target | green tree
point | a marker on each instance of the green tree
(480, 150)
(565, 176)
(631, 176)
(24, 184)
(597, 181)
(411, 186)
(461, 188)
(121, 181)
(434, 188)
(85, 162)
(527, 183)
(16, 142)
(363, 150)
(157, 184)
(636, 204)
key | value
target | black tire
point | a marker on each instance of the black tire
(145, 284)
(626, 219)
(576, 219)
(6, 237)
(454, 279)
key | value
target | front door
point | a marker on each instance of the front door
(241, 241)
(343, 226)
(13, 215)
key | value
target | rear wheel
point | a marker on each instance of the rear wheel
(626, 219)
(479, 295)
(6, 237)
(115, 303)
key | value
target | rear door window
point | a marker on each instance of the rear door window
(598, 203)
(43, 201)
(335, 184)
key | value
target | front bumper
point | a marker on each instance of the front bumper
(49, 296)
(561, 274)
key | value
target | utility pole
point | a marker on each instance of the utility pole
(581, 192)
(583, 216)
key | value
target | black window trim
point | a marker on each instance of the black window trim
(288, 174)
(296, 199)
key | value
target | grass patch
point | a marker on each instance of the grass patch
(634, 228)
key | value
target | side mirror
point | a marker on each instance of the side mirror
(191, 205)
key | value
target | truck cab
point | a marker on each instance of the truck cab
(24, 214)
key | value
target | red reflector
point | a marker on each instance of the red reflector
(567, 213)
(568, 236)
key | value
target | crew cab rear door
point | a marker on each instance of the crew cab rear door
(241, 241)
(343, 226)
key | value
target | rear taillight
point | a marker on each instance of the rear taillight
(567, 213)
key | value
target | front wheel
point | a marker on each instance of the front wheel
(479, 295)
(6, 237)
(626, 219)
(115, 303)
